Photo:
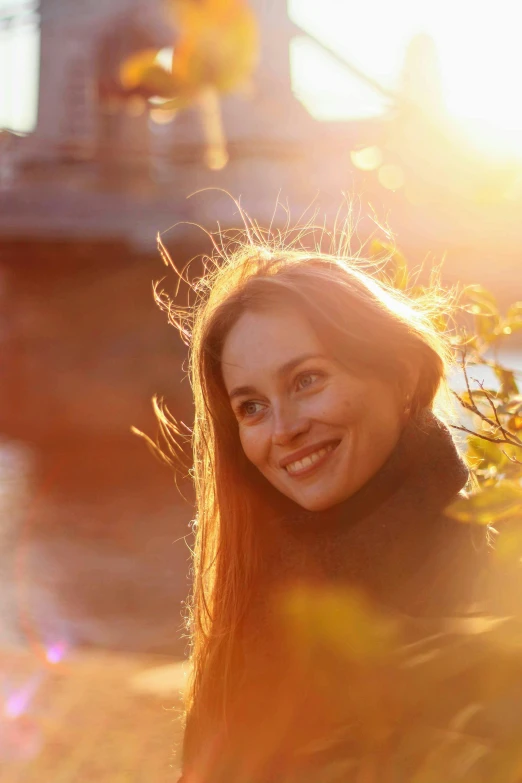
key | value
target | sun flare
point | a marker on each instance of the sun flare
(478, 53)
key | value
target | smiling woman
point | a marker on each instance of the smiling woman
(320, 469)
(313, 427)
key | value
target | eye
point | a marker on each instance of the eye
(249, 408)
(307, 379)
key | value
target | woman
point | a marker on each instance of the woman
(322, 548)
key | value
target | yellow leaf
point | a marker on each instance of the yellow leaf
(395, 266)
(489, 505)
(480, 295)
(514, 318)
(490, 453)
(133, 68)
(515, 425)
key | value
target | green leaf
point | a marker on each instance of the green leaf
(489, 453)
(491, 504)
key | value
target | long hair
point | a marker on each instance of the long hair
(364, 321)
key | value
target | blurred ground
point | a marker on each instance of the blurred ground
(97, 716)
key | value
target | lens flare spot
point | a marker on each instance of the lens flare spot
(366, 159)
(135, 106)
(164, 58)
(19, 700)
(216, 158)
(162, 116)
(391, 176)
(56, 652)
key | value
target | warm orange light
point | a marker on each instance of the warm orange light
(367, 159)
(391, 176)
(135, 106)
(216, 158)
(162, 116)
(476, 68)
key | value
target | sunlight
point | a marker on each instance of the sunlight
(478, 53)
(19, 66)
(164, 57)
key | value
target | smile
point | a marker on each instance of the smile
(312, 461)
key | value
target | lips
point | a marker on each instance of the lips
(309, 464)
(306, 457)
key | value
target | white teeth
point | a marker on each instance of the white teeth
(301, 464)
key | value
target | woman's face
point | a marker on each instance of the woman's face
(316, 430)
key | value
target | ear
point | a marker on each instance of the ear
(408, 380)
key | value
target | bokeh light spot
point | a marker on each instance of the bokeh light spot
(216, 158)
(135, 106)
(391, 176)
(367, 159)
(19, 700)
(56, 652)
(162, 116)
(164, 58)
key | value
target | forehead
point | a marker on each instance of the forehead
(261, 341)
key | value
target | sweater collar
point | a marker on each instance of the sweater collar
(386, 534)
(424, 470)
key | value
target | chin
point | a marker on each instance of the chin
(321, 503)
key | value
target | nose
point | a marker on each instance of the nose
(288, 425)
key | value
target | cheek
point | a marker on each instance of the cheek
(346, 404)
(252, 444)
(378, 409)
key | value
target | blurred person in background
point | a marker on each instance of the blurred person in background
(322, 474)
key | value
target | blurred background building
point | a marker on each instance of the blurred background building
(87, 180)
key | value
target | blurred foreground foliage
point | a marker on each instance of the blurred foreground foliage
(409, 700)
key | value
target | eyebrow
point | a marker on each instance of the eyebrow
(287, 367)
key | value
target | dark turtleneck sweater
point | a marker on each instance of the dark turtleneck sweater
(329, 582)
(391, 538)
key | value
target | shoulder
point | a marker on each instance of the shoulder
(471, 572)
(503, 579)
(454, 576)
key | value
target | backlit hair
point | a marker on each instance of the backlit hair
(364, 322)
